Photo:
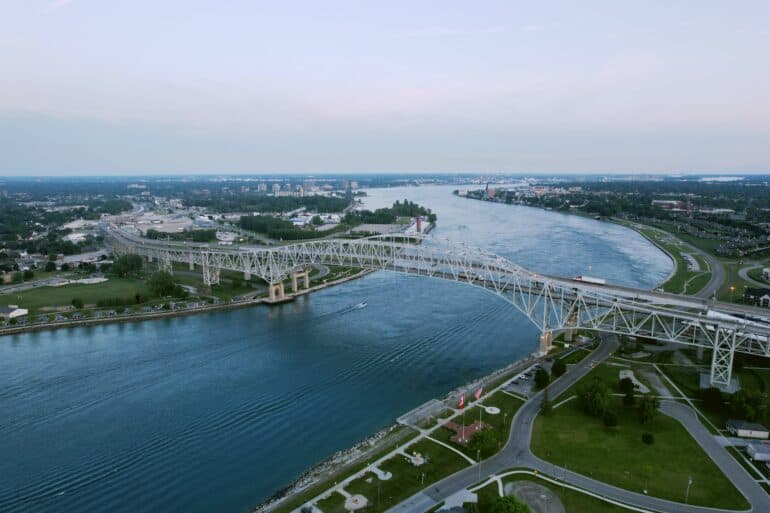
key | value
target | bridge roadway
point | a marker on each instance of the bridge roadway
(691, 303)
(550, 302)
(517, 453)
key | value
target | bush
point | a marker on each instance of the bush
(648, 408)
(648, 438)
(610, 419)
(77, 303)
(29, 274)
(509, 504)
(50, 266)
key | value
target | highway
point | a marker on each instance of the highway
(517, 453)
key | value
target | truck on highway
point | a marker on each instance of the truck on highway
(589, 279)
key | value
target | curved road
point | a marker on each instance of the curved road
(517, 453)
(743, 272)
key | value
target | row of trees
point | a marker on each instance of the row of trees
(595, 399)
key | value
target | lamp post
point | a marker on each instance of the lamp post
(687, 492)
(478, 458)
(732, 289)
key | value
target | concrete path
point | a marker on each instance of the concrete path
(517, 453)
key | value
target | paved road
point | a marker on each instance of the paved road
(717, 269)
(743, 272)
(517, 453)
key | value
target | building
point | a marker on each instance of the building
(766, 274)
(11, 312)
(758, 451)
(757, 296)
(746, 429)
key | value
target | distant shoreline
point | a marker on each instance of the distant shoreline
(139, 317)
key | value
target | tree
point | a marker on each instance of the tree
(558, 368)
(594, 398)
(77, 303)
(542, 378)
(648, 438)
(713, 399)
(161, 284)
(486, 442)
(648, 408)
(17, 277)
(125, 265)
(50, 266)
(626, 385)
(610, 419)
(509, 504)
(29, 274)
(748, 405)
(316, 220)
(546, 407)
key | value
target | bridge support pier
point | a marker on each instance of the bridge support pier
(277, 292)
(305, 275)
(210, 275)
(546, 342)
(192, 262)
(164, 264)
(722, 358)
(246, 275)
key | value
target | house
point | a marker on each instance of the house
(11, 312)
(745, 429)
(758, 296)
(766, 274)
(758, 451)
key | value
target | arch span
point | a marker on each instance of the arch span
(550, 302)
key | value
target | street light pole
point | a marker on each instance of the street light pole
(687, 492)
(478, 458)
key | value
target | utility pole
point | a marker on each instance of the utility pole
(687, 492)
(478, 458)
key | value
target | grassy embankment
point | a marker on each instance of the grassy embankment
(618, 456)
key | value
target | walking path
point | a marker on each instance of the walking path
(517, 453)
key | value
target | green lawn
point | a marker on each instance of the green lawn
(335, 503)
(40, 297)
(499, 423)
(617, 455)
(756, 274)
(407, 479)
(683, 281)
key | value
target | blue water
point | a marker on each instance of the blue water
(215, 412)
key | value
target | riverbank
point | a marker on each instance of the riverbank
(146, 316)
(344, 464)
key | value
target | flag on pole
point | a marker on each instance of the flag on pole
(462, 401)
(478, 393)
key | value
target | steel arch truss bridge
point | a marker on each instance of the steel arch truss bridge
(551, 303)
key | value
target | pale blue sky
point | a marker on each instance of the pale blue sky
(97, 86)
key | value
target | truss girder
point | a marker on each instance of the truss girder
(550, 303)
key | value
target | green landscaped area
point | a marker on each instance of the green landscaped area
(683, 281)
(40, 297)
(407, 479)
(569, 437)
(498, 425)
(573, 502)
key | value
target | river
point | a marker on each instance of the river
(215, 412)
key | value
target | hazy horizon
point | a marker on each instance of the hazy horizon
(192, 88)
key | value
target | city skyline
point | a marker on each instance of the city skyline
(184, 88)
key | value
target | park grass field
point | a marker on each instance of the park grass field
(407, 479)
(499, 423)
(37, 298)
(569, 437)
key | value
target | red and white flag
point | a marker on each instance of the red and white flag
(478, 393)
(462, 401)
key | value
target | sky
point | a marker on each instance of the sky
(92, 87)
